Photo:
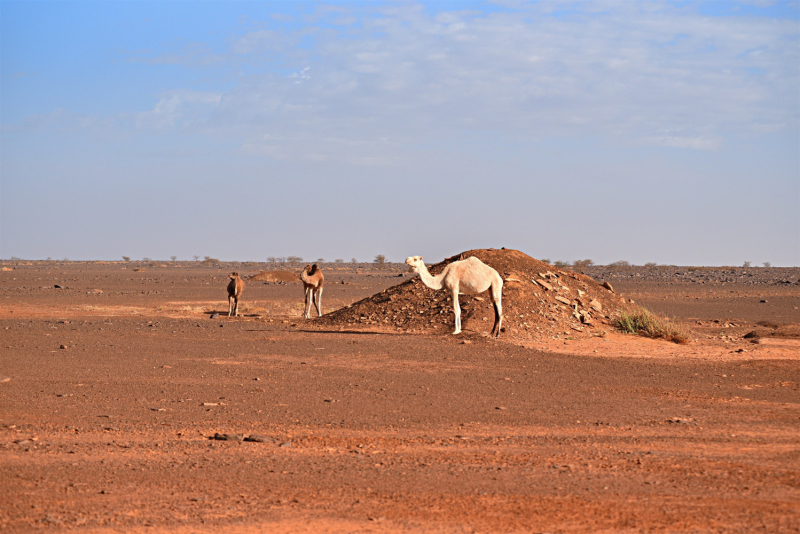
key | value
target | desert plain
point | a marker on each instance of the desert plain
(125, 407)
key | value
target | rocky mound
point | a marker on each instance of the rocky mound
(275, 276)
(538, 301)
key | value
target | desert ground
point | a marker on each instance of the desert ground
(115, 384)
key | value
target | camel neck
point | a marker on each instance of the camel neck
(433, 282)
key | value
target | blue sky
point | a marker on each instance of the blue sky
(640, 131)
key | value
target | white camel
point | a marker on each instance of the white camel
(312, 282)
(468, 277)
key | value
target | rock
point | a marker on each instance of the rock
(210, 404)
(563, 300)
(256, 438)
(751, 335)
(595, 304)
(214, 316)
(64, 347)
(228, 437)
(580, 293)
(500, 408)
(545, 285)
(608, 286)
(4, 379)
(763, 301)
(57, 287)
(286, 444)
(466, 342)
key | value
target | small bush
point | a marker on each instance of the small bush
(645, 323)
(582, 264)
(379, 259)
(746, 264)
(126, 258)
(561, 264)
(767, 264)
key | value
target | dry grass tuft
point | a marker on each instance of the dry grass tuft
(645, 323)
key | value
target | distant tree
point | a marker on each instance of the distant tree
(294, 259)
(380, 259)
(582, 264)
(146, 259)
(620, 263)
(14, 258)
(353, 261)
(650, 265)
(196, 258)
(339, 261)
(320, 260)
(126, 258)
(173, 258)
(746, 264)
(65, 259)
(272, 259)
(767, 264)
(546, 260)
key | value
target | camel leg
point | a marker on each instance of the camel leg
(230, 306)
(309, 297)
(497, 300)
(236, 306)
(457, 309)
(318, 302)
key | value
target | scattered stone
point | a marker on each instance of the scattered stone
(466, 342)
(166, 367)
(4, 379)
(763, 301)
(63, 347)
(500, 408)
(563, 300)
(545, 285)
(214, 316)
(210, 404)
(22, 441)
(57, 287)
(608, 286)
(286, 444)
(594, 303)
(751, 335)
(158, 409)
(257, 438)
(228, 437)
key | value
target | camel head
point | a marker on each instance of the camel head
(234, 276)
(311, 269)
(414, 262)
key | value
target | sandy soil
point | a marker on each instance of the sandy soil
(377, 431)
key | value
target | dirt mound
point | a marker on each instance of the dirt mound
(538, 301)
(275, 276)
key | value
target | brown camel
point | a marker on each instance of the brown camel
(312, 283)
(468, 277)
(235, 289)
